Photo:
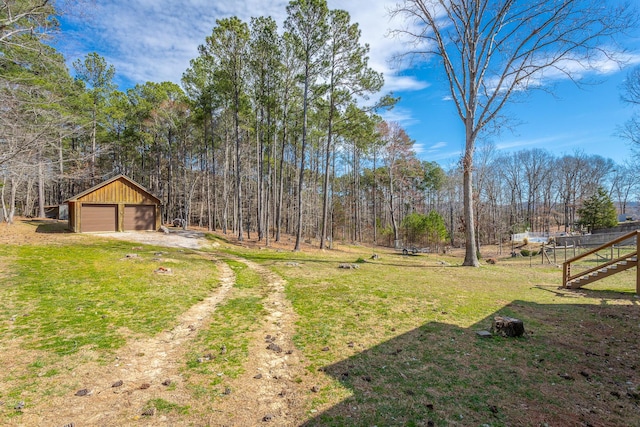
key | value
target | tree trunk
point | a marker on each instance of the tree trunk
(238, 164)
(302, 154)
(471, 256)
(5, 214)
(12, 200)
(41, 198)
(375, 190)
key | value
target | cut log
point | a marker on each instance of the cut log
(507, 326)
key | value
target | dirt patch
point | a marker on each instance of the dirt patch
(26, 231)
(176, 238)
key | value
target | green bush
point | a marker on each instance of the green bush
(525, 252)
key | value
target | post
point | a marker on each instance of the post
(637, 276)
(637, 266)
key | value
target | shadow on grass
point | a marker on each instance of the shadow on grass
(49, 226)
(577, 365)
(605, 297)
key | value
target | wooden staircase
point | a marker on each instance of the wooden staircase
(575, 280)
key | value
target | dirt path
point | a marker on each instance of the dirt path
(270, 391)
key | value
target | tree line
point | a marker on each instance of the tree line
(271, 135)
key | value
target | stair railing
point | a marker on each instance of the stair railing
(566, 266)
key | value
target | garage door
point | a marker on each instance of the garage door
(139, 217)
(99, 218)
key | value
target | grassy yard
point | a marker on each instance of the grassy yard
(390, 343)
(64, 305)
(395, 344)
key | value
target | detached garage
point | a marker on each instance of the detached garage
(118, 204)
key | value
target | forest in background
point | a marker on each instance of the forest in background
(272, 134)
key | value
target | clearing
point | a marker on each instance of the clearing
(193, 329)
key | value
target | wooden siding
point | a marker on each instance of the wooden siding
(119, 191)
(74, 214)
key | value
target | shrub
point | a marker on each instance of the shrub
(525, 252)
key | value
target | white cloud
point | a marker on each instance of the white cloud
(419, 148)
(575, 68)
(438, 145)
(154, 40)
(535, 142)
(400, 115)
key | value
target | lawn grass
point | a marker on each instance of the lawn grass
(65, 298)
(393, 342)
(220, 351)
(58, 300)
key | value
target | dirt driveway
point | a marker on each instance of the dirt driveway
(175, 238)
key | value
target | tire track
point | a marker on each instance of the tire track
(271, 389)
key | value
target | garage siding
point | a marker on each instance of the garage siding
(139, 217)
(118, 204)
(99, 218)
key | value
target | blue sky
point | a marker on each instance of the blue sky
(153, 40)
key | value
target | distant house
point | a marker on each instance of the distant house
(118, 204)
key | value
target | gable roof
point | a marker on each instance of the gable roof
(109, 181)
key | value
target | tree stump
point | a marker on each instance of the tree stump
(507, 326)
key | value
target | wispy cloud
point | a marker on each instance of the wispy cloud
(419, 148)
(154, 40)
(400, 115)
(437, 146)
(575, 68)
(436, 152)
(567, 140)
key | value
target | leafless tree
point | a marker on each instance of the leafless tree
(624, 183)
(491, 50)
(631, 95)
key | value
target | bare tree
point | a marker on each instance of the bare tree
(491, 50)
(624, 182)
(397, 153)
(631, 95)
